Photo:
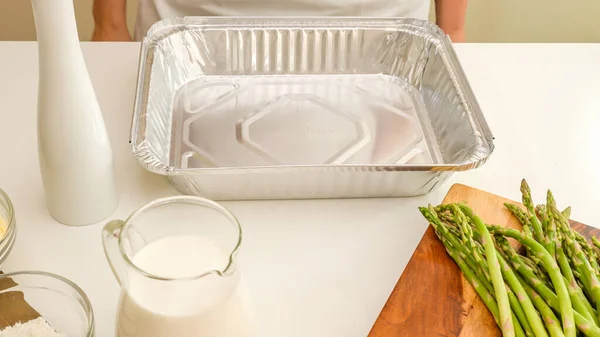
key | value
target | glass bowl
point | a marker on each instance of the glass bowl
(8, 215)
(27, 295)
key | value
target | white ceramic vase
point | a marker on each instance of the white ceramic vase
(75, 155)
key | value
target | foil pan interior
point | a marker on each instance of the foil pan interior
(227, 93)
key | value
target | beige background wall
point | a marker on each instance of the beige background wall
(533, 21)
(16, 19)
(487, 20)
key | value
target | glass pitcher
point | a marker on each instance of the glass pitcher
(175, 261)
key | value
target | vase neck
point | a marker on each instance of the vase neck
(55, 23)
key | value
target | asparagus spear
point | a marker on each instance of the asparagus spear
(531, 254)
(540, 211)
(528, 203)
(585, 326)
(550, 299)
(588, 274)
(507, 326)
(460, 255)
(595, 248)
(580, 261)
(552, 323)
(566, 309)
(520, 304)
(596, 242)
(482, 274)
(537, 270)
(525, 271)
(467, 235)
(446, 207)
(579, 300)
(443, 231)
(518, 213)
(532, 315)
(567, 213)
(445, 216)
(468, 238)
(551, 228)
(483, 293)
(587, 250)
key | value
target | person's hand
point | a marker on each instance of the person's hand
(111, 34)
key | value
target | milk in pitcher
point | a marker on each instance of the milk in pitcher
(184, 306)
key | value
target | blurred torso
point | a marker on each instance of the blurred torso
(151, 11)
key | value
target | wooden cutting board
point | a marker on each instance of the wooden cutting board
(432, 298)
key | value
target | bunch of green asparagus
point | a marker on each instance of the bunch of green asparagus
(549, 287)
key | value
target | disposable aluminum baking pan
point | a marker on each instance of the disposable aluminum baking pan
(281, 108)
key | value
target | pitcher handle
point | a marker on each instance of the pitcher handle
(110, 242)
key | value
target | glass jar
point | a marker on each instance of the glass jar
(7, 216)
(28, 295)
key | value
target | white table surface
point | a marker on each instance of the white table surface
(315, 268)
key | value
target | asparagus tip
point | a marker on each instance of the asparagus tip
(550, 198)
(525, 185)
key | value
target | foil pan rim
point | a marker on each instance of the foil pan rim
(150, 163)
(291, 22)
